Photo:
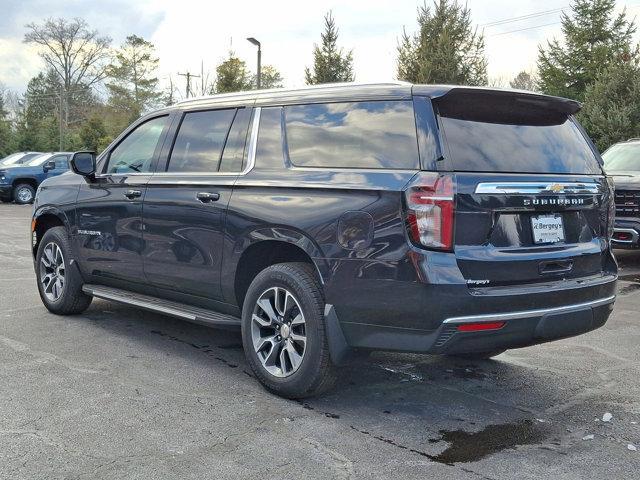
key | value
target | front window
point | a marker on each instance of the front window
(623, 157)
(39, 160)
(135, 153)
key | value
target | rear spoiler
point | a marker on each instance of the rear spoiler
(444, 92)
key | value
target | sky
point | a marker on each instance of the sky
(190, 34)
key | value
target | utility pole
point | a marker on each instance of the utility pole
(259, 73)
(189, 77)
(61, 129)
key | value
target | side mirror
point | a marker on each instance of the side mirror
(48, 166)
(84, 163)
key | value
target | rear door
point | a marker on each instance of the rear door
(531, 200)
(185, 205)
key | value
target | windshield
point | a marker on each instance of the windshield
(11, 159)
(623, 157)
(39, 160)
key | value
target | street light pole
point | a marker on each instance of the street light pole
(259, 74)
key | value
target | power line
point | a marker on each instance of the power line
(524, 29)
(524, 17)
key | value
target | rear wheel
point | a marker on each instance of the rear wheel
(24, 193)
(478, 355)
(59, 284)
(283, 331)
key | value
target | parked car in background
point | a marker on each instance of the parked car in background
(19, 182)
(18, 158)
(622, 162)
(416, 218)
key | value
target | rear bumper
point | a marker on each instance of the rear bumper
(526, 318)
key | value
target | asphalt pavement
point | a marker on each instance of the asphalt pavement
(122, 393)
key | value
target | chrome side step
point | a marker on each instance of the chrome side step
(166, 307)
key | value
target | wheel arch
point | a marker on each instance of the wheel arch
(44, 219)
(28, 180)
(266, 247)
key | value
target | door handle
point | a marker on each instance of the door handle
(131, 194)
(206, 197)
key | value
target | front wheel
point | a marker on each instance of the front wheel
(24, 193)
(59, 284)
(283, 331)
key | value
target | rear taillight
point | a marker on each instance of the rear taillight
(611, 213)
(430, 211)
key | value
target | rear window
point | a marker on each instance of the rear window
(380, 134)
(513, 134)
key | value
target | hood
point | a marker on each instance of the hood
(626, 180)
(21, 169)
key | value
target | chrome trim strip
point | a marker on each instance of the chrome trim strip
(536, 188)
(528, 313)
(634, 235)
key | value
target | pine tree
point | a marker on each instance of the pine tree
(132, 85)
(232, 76)
(446, 48)
(611, 110)
(330, 63)
(593, 38)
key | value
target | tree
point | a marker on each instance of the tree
(6, 132)
(593, 38)
(232, 76)
(330, 63)
(611, 110)
(132, 85)
(93, 134)
(446, 48)
(524, 81)
(269, 78)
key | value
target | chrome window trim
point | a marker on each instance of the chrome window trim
(537, 188)
(251, 159)
(528, 313)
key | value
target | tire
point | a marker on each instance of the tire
(478, 355)
(24, 193)
(63, 297)
(302, 315)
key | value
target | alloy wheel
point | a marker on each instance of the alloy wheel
(278, 332)
(52, 271)
(24, 195)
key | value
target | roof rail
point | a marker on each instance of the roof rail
(635, 139)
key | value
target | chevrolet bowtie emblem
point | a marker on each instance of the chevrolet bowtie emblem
(556, 188)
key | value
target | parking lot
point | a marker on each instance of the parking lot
(121, 393)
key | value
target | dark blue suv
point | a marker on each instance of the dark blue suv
(341, 218)
(19, 182)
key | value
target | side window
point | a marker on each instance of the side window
(380, 134)
(269, 149)
(62, 162)
(200, 140)
(233, 156)
(135, 152)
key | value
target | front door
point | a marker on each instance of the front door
(110, 236)
(185, 204)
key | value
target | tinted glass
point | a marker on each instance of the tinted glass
(201, 137)
(353, 135)
(61, 162)
(38, 159)
(493, 135)
(28, 157)
(135, 153)
(269, 148)
(233, 156)
(624, 157)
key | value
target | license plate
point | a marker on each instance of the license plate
(547, 229)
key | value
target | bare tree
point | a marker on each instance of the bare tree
(77, 54)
